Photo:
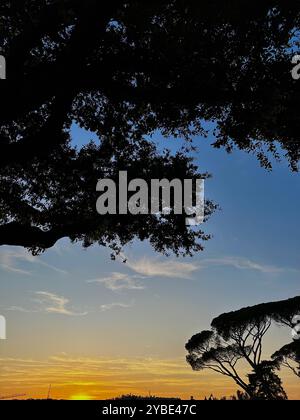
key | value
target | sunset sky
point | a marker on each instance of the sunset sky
(96, 328)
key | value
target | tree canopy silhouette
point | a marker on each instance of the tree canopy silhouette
(123, 70)
(238, 336)
(281, 312)
(289, 356)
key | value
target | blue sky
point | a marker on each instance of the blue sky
(76, 301)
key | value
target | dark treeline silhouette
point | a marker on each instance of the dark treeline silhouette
(238, 336)
(133, 397)
(125, 70)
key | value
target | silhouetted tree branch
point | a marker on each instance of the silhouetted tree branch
(125, 70)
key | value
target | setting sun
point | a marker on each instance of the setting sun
(80, 397)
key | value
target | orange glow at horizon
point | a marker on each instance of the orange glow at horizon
(102, 378)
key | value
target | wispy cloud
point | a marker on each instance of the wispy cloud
(48, 303)
(109, 306)
(56, 304)
(21, 309)
(9, 261)
(119, 281)
(242, 263)
(156, 267)
(12, 258)
(148, 267)
(143, 268)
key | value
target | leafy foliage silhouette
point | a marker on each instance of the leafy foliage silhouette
(123, 70)
(289, 356)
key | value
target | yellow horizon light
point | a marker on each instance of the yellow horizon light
(80, 397)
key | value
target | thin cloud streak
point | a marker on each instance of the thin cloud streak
(147, 267)
(10, 258)
(154, 267)
(119, 281)
(114, 305)
(50, 303)
(242, 263)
